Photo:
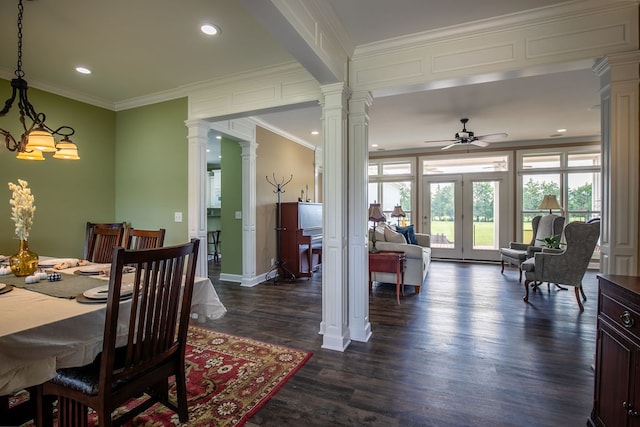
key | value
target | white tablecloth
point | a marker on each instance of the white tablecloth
(39, 333)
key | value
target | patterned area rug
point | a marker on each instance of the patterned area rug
(228, 379)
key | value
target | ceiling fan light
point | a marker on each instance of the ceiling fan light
(40, 140)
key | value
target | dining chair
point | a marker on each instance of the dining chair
(90, 237)
(22, 411)
(101, 244)
(143, 239)
(141, 358)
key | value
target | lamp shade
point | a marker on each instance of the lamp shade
(550, 202)
(41, 140)
(66, 150)
(30, 155)
(375, 213)
(398, 212)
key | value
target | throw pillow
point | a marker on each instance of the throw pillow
(392, 236)
(409, 233)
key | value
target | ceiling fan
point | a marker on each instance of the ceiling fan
(466, 137)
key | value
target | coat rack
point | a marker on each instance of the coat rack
(279, 269)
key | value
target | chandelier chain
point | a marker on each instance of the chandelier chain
(19, 72)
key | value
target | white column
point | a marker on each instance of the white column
(359, 325)
(248, 212)
(197, 189)
(335, 294)
(620, 96)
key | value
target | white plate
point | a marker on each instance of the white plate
(102, 292)
(2, 286)
(93, 269)
(45, 262)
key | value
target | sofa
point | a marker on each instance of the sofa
(418, 256)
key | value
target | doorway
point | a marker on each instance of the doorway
(466, 214)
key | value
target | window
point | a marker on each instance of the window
(573, 175)
(391, 184)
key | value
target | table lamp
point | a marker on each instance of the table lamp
(398, 213)
(375, 215)
(550, 202)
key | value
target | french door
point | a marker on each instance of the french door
(466, 215)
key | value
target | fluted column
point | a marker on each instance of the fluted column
(335, 294)
(248, 211)
(359, 325)
(197, 188)
(620, 99)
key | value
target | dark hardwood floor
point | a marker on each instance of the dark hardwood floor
(466, 351)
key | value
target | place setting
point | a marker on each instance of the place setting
(4, 288)
(100, 294)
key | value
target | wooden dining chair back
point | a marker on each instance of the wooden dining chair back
(105, 248)
(144, 342)
(101, 244)
(143, 239)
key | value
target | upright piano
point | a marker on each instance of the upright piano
(301, 237)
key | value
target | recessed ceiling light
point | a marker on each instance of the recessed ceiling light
(561, 130)
(374, 145)
(218, 137)
(208, 151)
(315, 132)
(219, 157)
(210, 30)
(83, 70)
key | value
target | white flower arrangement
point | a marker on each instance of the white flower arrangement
(22, 208)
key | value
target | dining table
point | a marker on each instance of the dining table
(50, 324)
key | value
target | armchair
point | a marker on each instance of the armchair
(543, 226)
(567, 267)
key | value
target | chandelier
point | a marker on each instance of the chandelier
(37, 137)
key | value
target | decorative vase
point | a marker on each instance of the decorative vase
(25, 262)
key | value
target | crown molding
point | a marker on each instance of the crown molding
(282, 133)
(527, 18)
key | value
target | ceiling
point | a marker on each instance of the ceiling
(145, 47)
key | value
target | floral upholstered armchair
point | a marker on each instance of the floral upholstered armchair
(568, 266)
(543, 227)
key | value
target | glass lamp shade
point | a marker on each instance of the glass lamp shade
(33, 155)
(41, 140)
(66, 150)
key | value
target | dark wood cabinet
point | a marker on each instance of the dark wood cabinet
(301, 237)
(616, 400)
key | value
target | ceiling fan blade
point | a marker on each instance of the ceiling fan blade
(450, 145)
(479, 143)
(439, 143)
(493, 136)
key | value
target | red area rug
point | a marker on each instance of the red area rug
(228, 379)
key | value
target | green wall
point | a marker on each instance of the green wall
(67, 193)
(231, 236)
(151, 168)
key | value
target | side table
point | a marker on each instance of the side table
(388, 262)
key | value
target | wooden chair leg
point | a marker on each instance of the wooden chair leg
(502, 263)
(520, 277)
(584, 297)
(526, 290)
(577, 292)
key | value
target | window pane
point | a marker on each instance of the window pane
(442, 215)
(373, 170)
(394, 193)
(541, 161)
(586, 159)
(484, 214)
(466, 165)
(535, 187)
(396, 168)
(373, 192)
(583, 192)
